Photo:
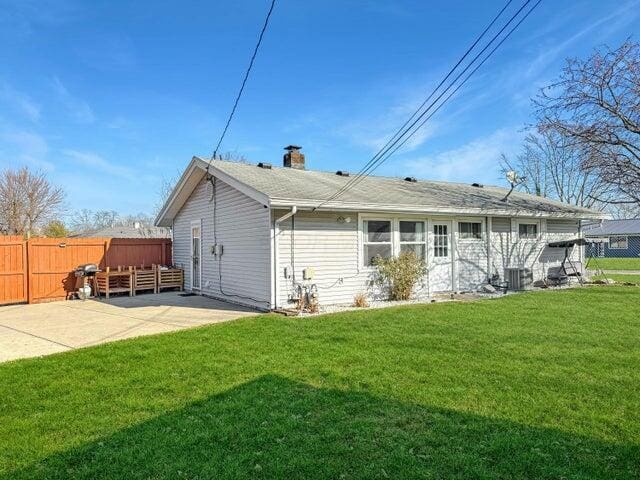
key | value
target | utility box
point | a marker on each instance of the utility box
(308, 273)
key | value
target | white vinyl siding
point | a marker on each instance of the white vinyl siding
(242, 229)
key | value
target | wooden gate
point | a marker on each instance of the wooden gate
(13, 270)
(41, 269)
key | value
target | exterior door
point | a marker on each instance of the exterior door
(439, 265)
(195, 255)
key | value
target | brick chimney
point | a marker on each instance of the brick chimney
(294, 158)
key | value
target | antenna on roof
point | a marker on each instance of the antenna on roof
(514, 179)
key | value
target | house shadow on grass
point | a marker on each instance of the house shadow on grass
(275, 428)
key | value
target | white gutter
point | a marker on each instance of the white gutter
(276, 234)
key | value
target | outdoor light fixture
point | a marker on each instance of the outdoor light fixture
(342, 219)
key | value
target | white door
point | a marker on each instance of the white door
(439, 264)
(195, 255)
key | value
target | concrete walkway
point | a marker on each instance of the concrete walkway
(45, 328)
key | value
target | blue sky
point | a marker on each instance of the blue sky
(108, 97)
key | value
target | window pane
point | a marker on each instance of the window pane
(472, 230)
(411, 231)
(377, 230)
(619, 242)
(440, 240)
(371, 251)
(528, 230)
(417, 248)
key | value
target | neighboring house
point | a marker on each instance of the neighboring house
(134, 231)
(618, 238)
(249, 233)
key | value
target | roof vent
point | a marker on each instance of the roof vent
(477, 185)
(342, 173)
(266, 166)
(410, 179)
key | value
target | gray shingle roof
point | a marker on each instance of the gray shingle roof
(309, 187)
(127, 232)
(614, 227)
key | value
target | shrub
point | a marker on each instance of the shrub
(360, 300)
(400, 274)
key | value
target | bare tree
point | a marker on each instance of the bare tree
(595, 105)
(550, 166)
(105, 218)
(27, 201)
(82, 221)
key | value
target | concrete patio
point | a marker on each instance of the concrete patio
(45, 328)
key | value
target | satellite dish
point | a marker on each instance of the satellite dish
(512, 177)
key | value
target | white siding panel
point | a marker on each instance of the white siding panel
(243, 230)
(320, 242)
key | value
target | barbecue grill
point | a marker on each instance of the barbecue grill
(84, 273)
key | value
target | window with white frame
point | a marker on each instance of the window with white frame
(618, 242)
(412, 238)
(528, 231)
(470, 230)
(440, 240)
(377, 240)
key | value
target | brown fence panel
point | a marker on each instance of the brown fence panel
(13, 270)
(138, 251)
(53, 260)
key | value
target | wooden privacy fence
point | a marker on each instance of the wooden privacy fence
(41, 269)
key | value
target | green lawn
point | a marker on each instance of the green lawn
(619, 277)
(538, 385)
(614, 263)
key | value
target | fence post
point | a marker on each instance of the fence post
(29, 273)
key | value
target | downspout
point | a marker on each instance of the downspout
(276, 233)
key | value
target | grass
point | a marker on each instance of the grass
(538, 385)
(614, 263)
(619, 277)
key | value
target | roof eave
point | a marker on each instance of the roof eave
(352, 206)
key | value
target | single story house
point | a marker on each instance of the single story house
(617, 238)
(257, 234)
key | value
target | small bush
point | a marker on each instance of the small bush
(360, 300)
(400, 274)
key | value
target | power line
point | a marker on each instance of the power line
(383, 153)
(244, 80)
(446, 77)
(391, 144)
(389, 153)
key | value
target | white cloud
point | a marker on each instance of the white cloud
(77, 108)
(19, 102)
(98, 164)
(597, 30)
(478, 160)
(25, 147)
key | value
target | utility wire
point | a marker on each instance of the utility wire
(404, 141)
(398, 137)
(244, 81)
(473, 45)
(365, 169)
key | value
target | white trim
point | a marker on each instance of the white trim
(195, 223)
(172, 206)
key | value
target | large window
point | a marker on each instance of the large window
(412, 238)
(470, 230)
(377, 240)
(619, 242)
(528, 231)
(440, 240)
